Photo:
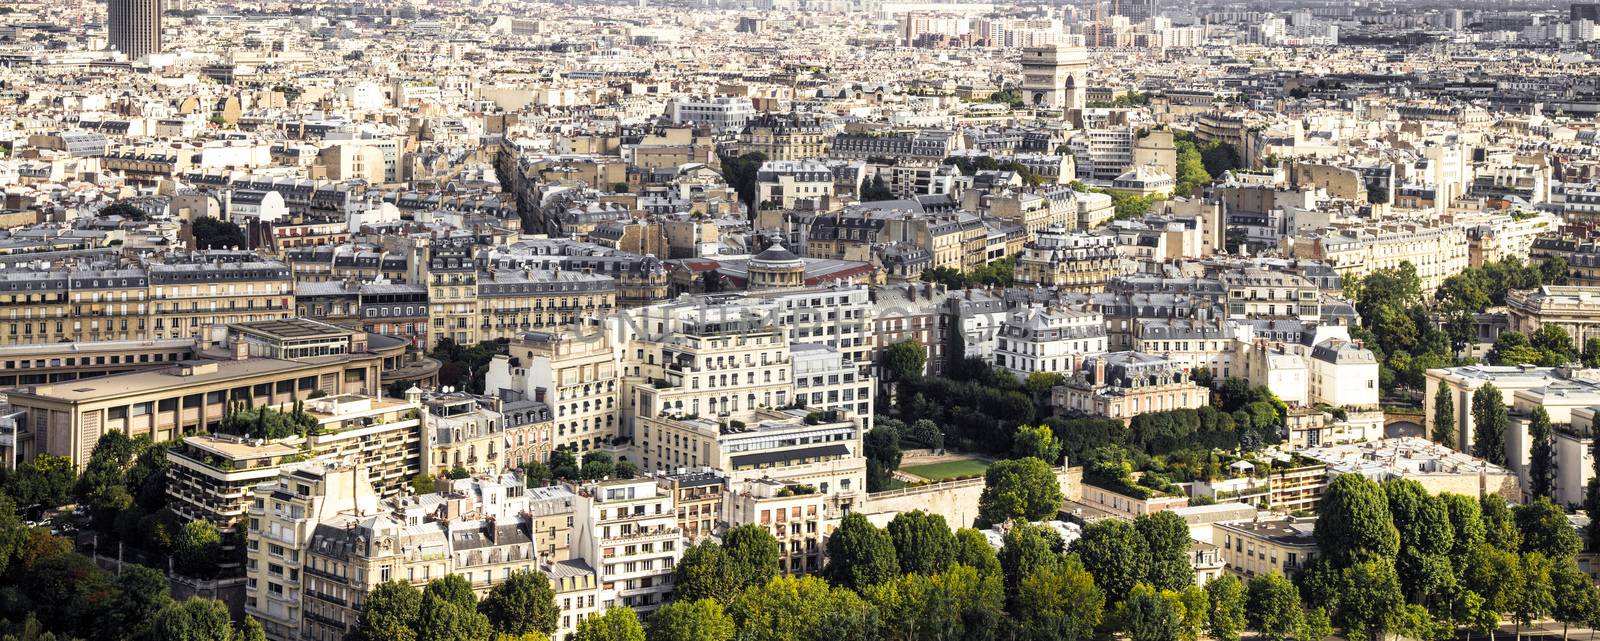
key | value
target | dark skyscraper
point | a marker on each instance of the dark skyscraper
(135, 26)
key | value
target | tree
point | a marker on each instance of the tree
(923, 543)
(1544, 529)
(142, 592)
(123, 209)
(740, 174)
(198, 550)
(1444, 416)
(1576, 597)
(958, 604)
(1355, 520)
(801, 609)
(1149, 615)
(705, 573)
(1426, 538)
(1591, 352)
(536, 474)
(1466, 525)
(973, 550)
(1514, 348)
(1227, 616)
(882, 450)
(860, 554)
(596, 466)
(876, 190)
(196, 619)
(210, 233)
(390, 613)
(616, 624)
(1537, 597)
(752, 554)
(1058, 602)
(1038, 442)
(1542, 457)
(1021, 489)
(1490, 421)
(525, 602)
(47, 481)
(905, 360)
(250, 630)
(448, 615)
(564, 465)
(1499, 523)
(1166, 536)
(1372, 602)
(1024, 548)
(684, 620)
(1273, 608)
(1115, 553)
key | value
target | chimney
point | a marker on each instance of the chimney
(241, 350)
(1100, 371)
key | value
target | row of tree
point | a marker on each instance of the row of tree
(51, 592)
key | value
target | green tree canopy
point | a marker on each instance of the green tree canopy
(390, 613)
(1544, 529)
(615, 624)
(1057, 602)
(1489, 424)
(525, 602)
(860, 554)
(685, 620)
(752, 553)
(923, 543)
(1444, 416)
(904, 360)
(1542, 455)
(1227, 616)
(1021, 489)
(1355, 520)
(1273, 607)
(802, 609)
(1036, 442)
(1116, 554)
(196, 619)
(1166, 536)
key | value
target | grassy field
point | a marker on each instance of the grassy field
(948, 469)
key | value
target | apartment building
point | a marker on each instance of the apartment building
(182, 298)
(452, 279)
(796, 515)
(785, 184)
(698, 496)
(1255, 292)
(628, 530)
(483, 435)
(816, 449)
(825, 381)
(718, 358)
(1437, 250)
(511, 302)
(576, 375)
(1074, 262)
(785, 137)
(1037, 339)
(319, 540)
(721, 113)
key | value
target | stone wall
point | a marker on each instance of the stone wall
(956, 501)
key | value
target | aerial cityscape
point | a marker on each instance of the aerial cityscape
(799, 320)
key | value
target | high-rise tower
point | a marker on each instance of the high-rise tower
(135, 26)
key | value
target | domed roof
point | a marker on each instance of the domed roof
(776, 257)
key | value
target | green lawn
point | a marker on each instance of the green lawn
(948, 469)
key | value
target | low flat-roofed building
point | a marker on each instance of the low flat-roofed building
(67, 419)
(1257, 548)
(1436, 467)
